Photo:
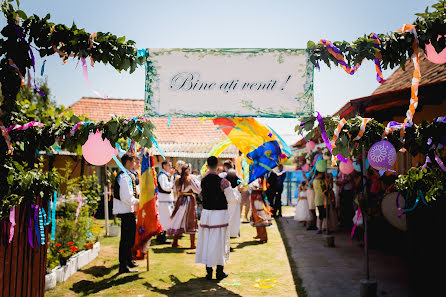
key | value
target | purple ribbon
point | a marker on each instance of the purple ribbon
(22, 37)
(324, 137)
(79, 199)
(440, 162)
(30, 226)
(36, 225)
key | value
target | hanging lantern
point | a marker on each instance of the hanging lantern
(382, 155)
(433, 56)
(321, 165)
(310, 145)
(346, 168)
(98, 151)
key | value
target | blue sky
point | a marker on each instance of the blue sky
(229, 23)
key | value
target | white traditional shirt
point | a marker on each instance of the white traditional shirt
(127, 201)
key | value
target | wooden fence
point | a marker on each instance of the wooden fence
(22, 268)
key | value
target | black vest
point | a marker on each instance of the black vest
(213, 196)
(116, 185)
(160, 189)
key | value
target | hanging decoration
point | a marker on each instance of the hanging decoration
(433, 56)
(321, 166)
(382, 155)
(346, 168)
(310, 145)
(98, 151)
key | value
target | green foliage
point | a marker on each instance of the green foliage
(396, 47)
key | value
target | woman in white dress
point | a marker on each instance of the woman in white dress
(302, 209)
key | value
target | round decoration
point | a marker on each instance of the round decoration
(98, 151)
(321, 165)
(433, 56)
(391, 212)
(382, 155)
(310, 145)
(346, 168)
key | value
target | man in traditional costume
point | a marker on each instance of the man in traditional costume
(234, 204)
(261, 216)
(165, 199)
(213, 235)
(124, 202)
(184, 216)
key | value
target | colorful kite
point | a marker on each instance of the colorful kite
(260, 144)
(148, 223)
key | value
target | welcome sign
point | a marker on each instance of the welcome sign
(228, 82)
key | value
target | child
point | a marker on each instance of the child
(302, 209)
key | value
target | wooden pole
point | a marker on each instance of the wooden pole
(148, 262)
(107, 229)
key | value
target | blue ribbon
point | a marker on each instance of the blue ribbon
(141, 53)
(168, 121)
(157, 146)
(123, 169)
(53, 217)
(42, 70)
(42, 230)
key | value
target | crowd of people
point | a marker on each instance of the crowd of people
(325, 204)
(188, 203)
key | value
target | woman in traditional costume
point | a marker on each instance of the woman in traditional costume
(261, 216)
(184, 216)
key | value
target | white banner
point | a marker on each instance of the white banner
(228, 82)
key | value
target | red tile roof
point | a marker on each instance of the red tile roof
(181, 130)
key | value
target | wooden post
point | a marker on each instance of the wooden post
(148, 262)
(107, 229)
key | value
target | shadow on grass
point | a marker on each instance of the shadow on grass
(170, 250)
(87, 287)
(98, 271)
(246, 243)
(297, 280)
(193, 287)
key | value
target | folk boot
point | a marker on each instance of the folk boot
(220, 274)
(209, 273)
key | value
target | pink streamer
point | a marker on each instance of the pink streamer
(12, 221)
(75, 128)
(85, 71)
(25, 126)
(79, 199)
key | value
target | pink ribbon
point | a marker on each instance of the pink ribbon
(79, 199)
(12, 221)
(85, 71)
(75, 128)
(24, 126)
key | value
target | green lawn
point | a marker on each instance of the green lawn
(173, 272)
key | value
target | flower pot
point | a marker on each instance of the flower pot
(114, 230)
(83, 259)
(50, 280)
(72, 263)
(63, 272)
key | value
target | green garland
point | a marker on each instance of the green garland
(396, 47)
(22, 177)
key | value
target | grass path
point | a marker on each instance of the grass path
(173, 272)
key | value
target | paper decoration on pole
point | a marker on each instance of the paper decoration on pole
(321, 166)
(433, 56)
(98, 151)
(310, 145)
(148, 223)
(228, 82)
(255, 141)
(357, 164)
(382, 155)
(346, 168)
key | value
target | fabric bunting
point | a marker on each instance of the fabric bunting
(416, 73)
(378, 58)
(324, 137)
(25, 126)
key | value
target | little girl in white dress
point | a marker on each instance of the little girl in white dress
(302, 210)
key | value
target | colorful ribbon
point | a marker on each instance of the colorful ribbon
(12, 221)
(42, 70)
(416, 73)
(30, 226)
(41, 226)
(378, 58)
(25, 126)
(6, 137)
(85, 71)
(324, 137)
(440, 162)
(53, 217)
(13, 65)
(33, 62)
(362, 128)
(79, 200)
(157, 146)
(335, 52)
(36, 225)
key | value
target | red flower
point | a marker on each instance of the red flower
(74, 249)
(57, 245)
(60, 251)
(70, 243)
